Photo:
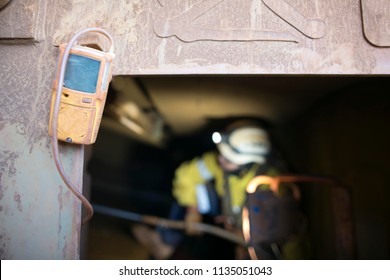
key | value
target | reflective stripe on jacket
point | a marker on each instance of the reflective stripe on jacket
(190, 174)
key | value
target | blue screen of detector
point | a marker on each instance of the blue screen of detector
(81, 73)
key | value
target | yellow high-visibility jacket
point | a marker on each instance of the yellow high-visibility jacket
(189, 175)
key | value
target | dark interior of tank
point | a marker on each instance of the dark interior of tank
(334, 126)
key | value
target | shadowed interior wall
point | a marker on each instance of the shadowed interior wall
(346, 137)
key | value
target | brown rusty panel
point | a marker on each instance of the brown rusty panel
(226, 37)
(376, 21)
(39, 217)
(18, 19)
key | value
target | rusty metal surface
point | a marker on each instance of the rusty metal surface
(18, 19)
(222, 36)
(39, 218)
(376, 21)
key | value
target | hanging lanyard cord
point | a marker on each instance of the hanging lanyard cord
(54, 137)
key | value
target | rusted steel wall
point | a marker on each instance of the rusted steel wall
(236, 36)
(39, 217)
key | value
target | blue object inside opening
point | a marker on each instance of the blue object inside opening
(81, 73)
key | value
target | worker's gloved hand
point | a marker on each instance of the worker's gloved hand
(192, 216)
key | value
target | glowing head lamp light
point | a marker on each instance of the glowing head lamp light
(82, 82)
(242, 145)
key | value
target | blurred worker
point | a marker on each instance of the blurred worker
(214, 185)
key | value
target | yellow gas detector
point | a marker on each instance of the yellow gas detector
(82, 80)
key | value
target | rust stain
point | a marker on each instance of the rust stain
(61, 205)
(7, 165)
(60, 198)
(17, 199)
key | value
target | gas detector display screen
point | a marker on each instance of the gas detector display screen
(81, 73)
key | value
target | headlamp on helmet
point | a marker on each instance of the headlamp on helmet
(243, 145)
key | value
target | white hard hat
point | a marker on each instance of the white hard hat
(246, 143)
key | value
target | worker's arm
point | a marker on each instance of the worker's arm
(184, 184)
(192, 216)
(187, 177)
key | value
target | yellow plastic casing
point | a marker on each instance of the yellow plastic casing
(80, 113)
